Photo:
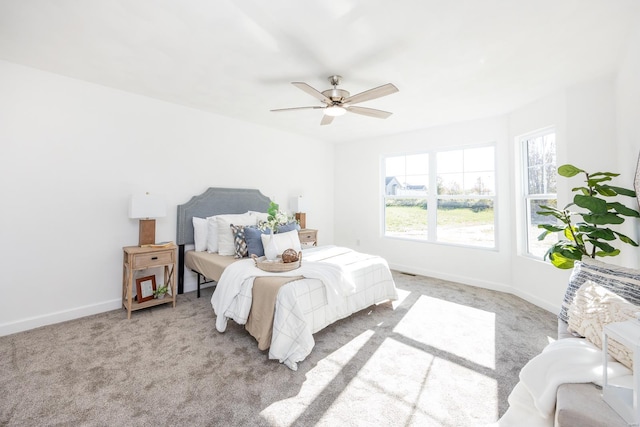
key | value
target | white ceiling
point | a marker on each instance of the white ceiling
(452, 60)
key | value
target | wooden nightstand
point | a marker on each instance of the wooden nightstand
(308, 237)
(137, 258)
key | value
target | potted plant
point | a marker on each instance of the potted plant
(590, 237)
(160, 292)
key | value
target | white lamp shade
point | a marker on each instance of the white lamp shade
(298, 204)
(145, 205)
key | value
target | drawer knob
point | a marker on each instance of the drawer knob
(154, 258)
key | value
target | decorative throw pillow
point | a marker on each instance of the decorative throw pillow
(288, 227)
(622, 281)
(226, 244)
(200, 233)
(283, 241)
(252, 236)
(592, 308)
(239, 240)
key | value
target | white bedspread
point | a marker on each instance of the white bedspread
(571, 360)
(339, 281)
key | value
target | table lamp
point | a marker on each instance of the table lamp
(298, 206)
(147, 207)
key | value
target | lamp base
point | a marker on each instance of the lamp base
(147, 234)
(302, 219)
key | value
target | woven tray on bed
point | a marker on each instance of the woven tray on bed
(278, 265)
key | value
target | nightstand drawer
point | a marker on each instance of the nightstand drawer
(153, 259)
(308, 236)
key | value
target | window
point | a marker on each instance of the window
(459, 184)
(406, 190)
(466, 192)
(539, 188)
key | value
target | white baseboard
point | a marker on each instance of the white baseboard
(472, 281)
(57, 317)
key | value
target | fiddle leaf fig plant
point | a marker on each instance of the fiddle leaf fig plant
(591, 236)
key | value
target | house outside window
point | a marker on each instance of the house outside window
(445, 196)
(539, 188)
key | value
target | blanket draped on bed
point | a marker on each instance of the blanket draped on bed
(572, 360)
(260, 320)
(337, 285)
(337, 282)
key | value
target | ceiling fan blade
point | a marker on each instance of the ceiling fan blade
(311, 91)
(326, 120)
(371, 112)
(298, 108)
(374, 93)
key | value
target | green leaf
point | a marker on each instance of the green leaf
(601, 233)
(626, 239)
(568, 234)
(604, 174)
(548, 208)
(551, 228)
(584, 190)
(614, 253)
(558, 214)
(563, 255)
(561, 262)
(593, 204)
(606, 191)
(622, 191)
(568, 171)
(603, 219)
(592, 182)
(623, 210)
(602, 245)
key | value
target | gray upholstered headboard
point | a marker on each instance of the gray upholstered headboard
(214, 201)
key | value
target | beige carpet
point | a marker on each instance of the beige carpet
(443, 355)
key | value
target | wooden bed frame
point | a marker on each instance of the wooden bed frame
(214, 201)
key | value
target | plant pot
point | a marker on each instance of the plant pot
(160, 296)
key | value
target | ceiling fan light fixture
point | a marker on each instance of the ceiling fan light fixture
(334, 111)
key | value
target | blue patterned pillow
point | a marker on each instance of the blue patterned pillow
(239, 240)
(622, 281)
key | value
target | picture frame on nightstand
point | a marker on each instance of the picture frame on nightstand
(145, 287)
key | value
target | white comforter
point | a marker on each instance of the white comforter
(343, 281)
(571, 360)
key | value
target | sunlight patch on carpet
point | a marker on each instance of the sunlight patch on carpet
(402, 295)
(457, 329)
(320, 377)
(392, 377)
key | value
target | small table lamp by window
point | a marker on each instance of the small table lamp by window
(298, 206)
(147, 207)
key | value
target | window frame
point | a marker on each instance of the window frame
(526, 198)
(433, 197)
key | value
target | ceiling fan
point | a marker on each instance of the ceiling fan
(339, 101)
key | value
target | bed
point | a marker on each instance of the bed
(281, 310)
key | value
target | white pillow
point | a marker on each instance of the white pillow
(594, 307)
(200, 233)
(283, 241)
(212, 235)
(260, 216)
(226, 245)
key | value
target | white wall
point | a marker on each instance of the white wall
(73, 153)
(359, 213)
(584, 117)
(628, 127)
